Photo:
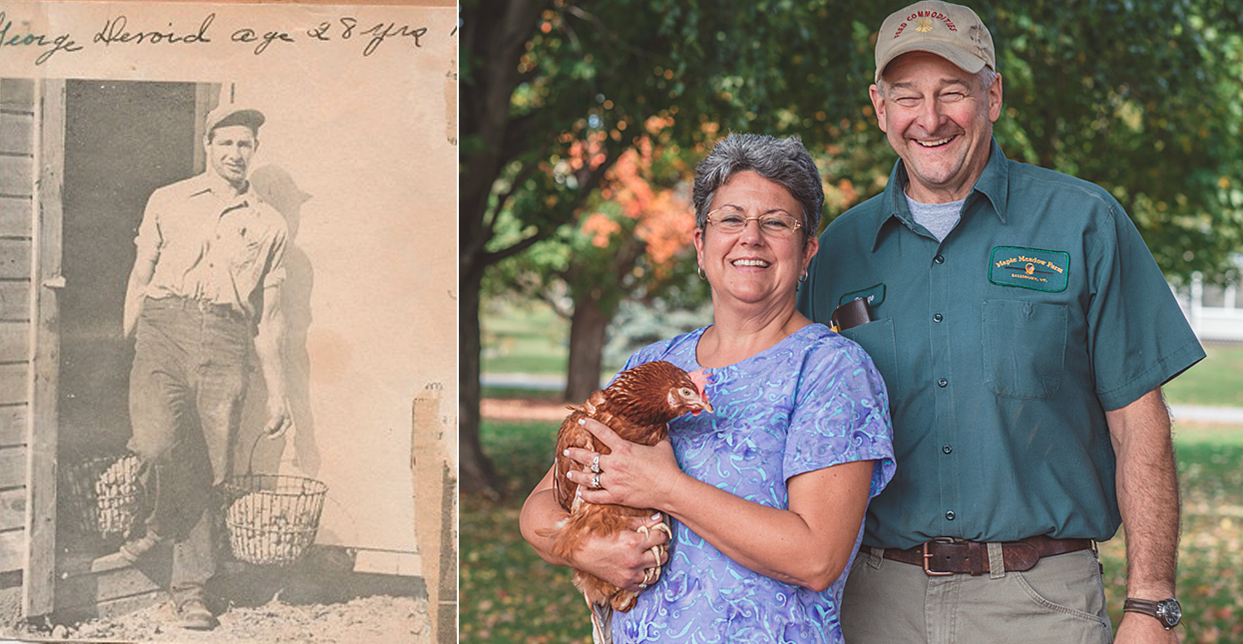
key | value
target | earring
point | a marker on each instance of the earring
(803, 278)
(702, 276)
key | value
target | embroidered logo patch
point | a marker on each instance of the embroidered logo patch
(875, 295)
(1041, 270)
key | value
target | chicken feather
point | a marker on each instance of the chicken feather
(637, 406)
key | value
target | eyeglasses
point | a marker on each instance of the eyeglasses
(773, 224)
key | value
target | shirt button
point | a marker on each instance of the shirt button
(942, 382)
(940, 259)
(946, 448)
(937, 318)
(949, 516)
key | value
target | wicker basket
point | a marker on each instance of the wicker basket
(101, 495)
(271, 519)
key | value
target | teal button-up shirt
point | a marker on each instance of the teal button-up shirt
(1002, 347)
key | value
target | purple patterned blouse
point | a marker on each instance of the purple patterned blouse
(811, 401)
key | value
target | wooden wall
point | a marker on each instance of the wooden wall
(17, 172)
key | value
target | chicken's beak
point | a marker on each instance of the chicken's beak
(701, 405)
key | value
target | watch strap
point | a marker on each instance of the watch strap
(1152, 608)
(1145, 606)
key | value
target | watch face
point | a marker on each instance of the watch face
(1169, 611)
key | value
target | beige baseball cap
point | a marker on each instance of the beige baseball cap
(950, 31)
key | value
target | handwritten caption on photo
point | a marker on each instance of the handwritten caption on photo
(117, 31)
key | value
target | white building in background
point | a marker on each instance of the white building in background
(1215, 312)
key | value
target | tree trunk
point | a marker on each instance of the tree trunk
(493, 36)
(587, 327)
(476, 473)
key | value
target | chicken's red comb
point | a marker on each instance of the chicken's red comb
(701, 380)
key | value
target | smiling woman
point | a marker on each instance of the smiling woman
(767, 491)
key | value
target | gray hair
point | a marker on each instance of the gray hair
(782, 161)
(986, 77)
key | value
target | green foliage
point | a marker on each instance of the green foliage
(1140, 97)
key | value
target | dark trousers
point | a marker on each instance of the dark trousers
(189, 380)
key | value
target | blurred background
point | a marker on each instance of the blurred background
(581, 123)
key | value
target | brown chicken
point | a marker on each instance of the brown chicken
(637, 405)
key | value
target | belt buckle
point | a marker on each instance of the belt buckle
(928, 555)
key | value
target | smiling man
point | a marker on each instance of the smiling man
(1024, 332)
(202, 299)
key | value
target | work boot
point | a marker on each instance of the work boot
(194, 615)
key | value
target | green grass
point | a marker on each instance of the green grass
(530, 338)
(1210, 554)
(508, 594)
(1216, 380)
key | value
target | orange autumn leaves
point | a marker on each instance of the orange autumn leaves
(663, 216)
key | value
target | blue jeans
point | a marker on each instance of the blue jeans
(191, 370)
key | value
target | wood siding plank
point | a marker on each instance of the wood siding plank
(13, 379)
(17, 176)
(12, 466)
(16, 133)
(14, 259)
(13, 426)
(14, 301)
(16, 214)
(14, 341)
(12, 549)
(12, 509)
(18, 94)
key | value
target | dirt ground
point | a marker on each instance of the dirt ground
(378, 618)
(523, 409)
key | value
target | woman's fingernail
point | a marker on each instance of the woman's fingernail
(582, 421)
(656, 517)
(566, 452)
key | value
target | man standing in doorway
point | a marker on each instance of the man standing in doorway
(1024, 332)
(202, 300)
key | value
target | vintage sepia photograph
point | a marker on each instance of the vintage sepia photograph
(227, 322)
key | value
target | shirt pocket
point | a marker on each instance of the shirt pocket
(1024, 347)
(245, 253)
(878, 340)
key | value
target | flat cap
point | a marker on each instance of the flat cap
(227, 114)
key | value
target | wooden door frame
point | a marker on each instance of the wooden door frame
(39, 574)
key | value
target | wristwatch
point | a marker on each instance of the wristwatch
(1167, 611)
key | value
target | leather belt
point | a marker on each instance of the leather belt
(946, 556)
(202, 306)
